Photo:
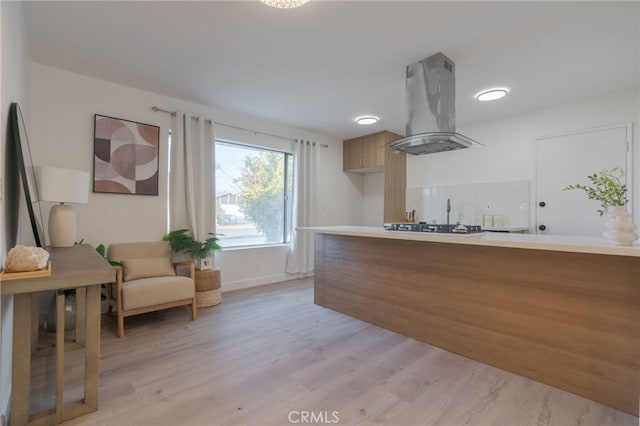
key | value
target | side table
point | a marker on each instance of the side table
(79, 267)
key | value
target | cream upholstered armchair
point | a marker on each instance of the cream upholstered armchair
(148, 281)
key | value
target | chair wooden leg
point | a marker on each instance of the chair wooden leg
(194, 310)
(120, 324)
(109, 309)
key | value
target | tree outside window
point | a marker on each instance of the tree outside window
(253, 193)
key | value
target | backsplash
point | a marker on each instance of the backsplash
(507, 201)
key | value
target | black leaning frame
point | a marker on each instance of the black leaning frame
(14, 109)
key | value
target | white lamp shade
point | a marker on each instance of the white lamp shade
(63, 185)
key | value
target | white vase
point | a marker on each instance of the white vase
(202, 264)
(619, 228)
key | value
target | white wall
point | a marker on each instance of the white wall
(373, 199)
(249, 267)
(63, 105)
(357, 197)
(509, 151)
(14, 87)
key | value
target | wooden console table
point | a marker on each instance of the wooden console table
(79, 267)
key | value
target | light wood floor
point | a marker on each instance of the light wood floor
(266, 352)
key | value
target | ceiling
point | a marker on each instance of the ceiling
(319, 66)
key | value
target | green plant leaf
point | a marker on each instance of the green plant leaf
(103, 252)
(607, 187)
(181, 241)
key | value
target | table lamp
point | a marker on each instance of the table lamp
(64, 186)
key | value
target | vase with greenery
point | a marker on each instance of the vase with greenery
(608, 188)
(181, 241)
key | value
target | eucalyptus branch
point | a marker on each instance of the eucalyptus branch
(607, 187)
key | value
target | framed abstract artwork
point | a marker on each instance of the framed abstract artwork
(126, 156)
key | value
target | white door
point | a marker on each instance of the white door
(569, 159)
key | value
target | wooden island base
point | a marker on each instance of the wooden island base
(570, 320)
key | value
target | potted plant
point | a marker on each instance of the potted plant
(207, 280)
(181, 241)
(608, 188)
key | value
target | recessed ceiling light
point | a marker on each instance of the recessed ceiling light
(365, 120)
(284, 4)
(492, 94)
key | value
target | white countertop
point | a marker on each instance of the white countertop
(525, 241)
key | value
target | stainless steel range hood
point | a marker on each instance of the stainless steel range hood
(431, 109)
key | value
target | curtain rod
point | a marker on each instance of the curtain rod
(173, 114)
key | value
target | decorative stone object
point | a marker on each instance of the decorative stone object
(619, 227)
(23, 259)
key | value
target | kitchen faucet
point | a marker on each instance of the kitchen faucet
(448, 209)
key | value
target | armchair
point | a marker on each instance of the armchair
(148, 281)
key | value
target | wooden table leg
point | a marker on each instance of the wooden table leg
(92, 347)
(35, 320)
(60, 302)
(81, 313)
(21, 374)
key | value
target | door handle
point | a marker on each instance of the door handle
(542, 227)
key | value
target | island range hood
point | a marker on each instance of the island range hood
(431, 109)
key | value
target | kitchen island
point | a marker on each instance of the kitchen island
(564, 311)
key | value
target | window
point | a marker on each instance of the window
(253, 193)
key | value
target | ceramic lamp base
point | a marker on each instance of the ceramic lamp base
(62, 226)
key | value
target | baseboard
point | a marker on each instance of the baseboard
(240, 284)
(255, 282)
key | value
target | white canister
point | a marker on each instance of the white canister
(498, 220)
(488, 220)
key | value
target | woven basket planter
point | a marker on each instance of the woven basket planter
(208, 287)
(204, 299)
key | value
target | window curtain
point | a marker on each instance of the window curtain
(192, 175)
(300, 253)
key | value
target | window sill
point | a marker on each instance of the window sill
(262, 246)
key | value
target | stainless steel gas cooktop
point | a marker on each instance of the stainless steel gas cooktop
(435, 228)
